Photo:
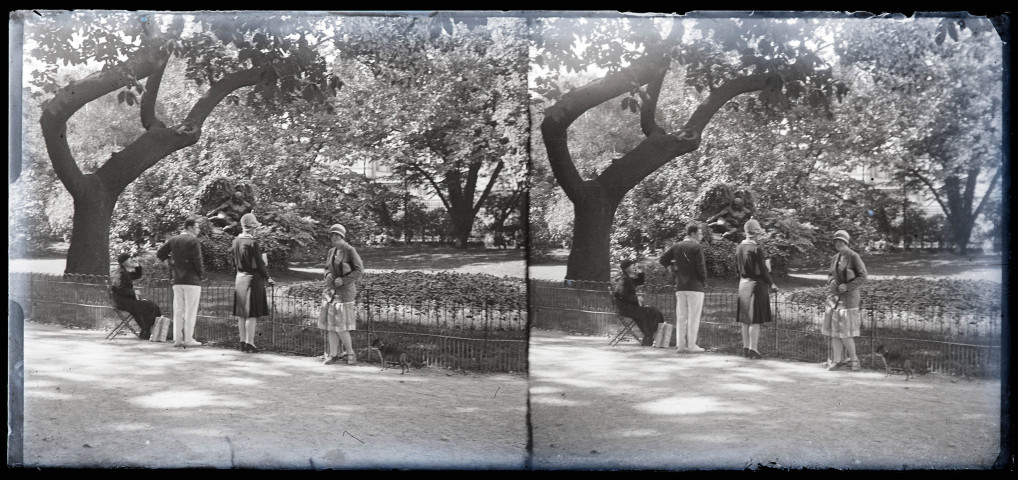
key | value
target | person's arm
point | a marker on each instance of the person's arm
(199, 265)
(762, 266)
(163, 253)
(330, 277)
(260, 262)
(855, 263)
(356, 267)
(667, 258)
(701, 264)
(136, 274)
(217, 209)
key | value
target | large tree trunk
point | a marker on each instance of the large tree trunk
(90, 233)
(462, 223)
(592, 223)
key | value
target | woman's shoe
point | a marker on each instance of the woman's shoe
(252, 349)
(330, 360)
(754, 354)
(351, 359)
(243, 346)
(835, 366)
(855, 365)
(745, 352)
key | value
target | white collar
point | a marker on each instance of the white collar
(749, 242)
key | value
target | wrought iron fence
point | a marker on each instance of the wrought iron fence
(938, 339)
(435, 333)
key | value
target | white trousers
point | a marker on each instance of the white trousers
(185, 312)
(688, 306)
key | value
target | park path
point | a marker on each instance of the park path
(133, 403)
(631, 407)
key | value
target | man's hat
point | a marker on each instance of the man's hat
(123, 257)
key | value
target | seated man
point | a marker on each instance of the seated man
(628, 304)
(145, 311)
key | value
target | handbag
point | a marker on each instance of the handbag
(663, 335)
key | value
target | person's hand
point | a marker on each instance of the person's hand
(271, 281)
(338, 282)
(842, 288)
(330, 281)
(774, 289)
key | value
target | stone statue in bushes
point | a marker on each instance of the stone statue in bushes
(227, 215)
(225, 202)
(728, 210)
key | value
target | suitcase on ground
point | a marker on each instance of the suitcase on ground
(663, 335)
(160, 329)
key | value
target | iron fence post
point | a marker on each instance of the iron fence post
(272, 313)
(873, 334)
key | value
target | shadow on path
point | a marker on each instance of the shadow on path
(134, 403)
(593, 406)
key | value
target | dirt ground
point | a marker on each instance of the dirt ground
(597, 407)
(134, 403)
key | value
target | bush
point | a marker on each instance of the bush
(968, 295)
(418, 287)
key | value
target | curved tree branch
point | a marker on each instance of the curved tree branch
(434, 184)
(558, 117)
(68, 100)
(659, 148)
(929, 185)
(986, 196)
(487, 189)
(148, 98)
(155, 144)
(649, 107)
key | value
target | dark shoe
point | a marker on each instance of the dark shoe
(754, 354)
(252, 348)
(745, 352)
(145, 335)
(835, 366)
(330, 360)
(855, 365)
(243, 346)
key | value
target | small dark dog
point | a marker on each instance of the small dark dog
(390, 352)
(901, 361)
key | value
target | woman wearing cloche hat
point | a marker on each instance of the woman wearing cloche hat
(249, 300)
(339, 310)
(842, 321)
(753, 307)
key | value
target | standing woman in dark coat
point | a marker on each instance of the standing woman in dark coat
(628, 303)
(754, 281)
(249, 301)
(124, 297)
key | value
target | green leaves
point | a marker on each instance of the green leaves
(127, 96)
